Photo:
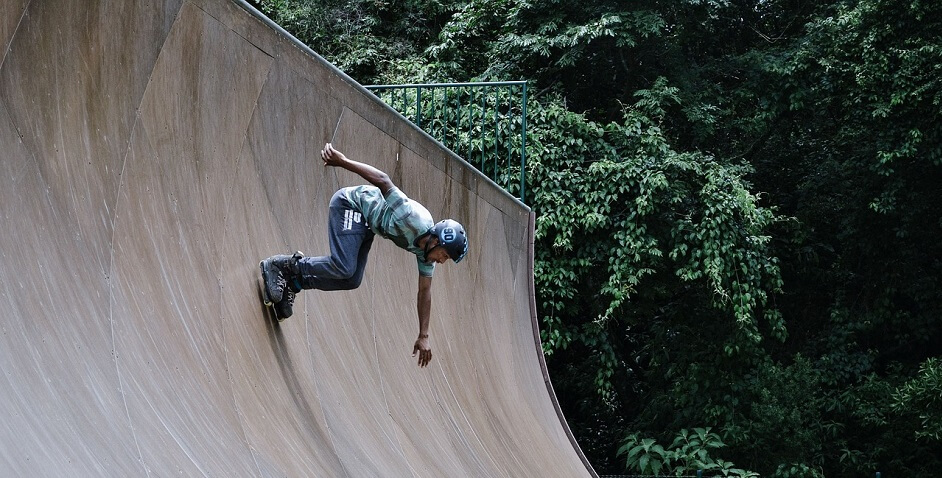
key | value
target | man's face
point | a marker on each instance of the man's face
(438, 255)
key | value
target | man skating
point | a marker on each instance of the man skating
(357, 214)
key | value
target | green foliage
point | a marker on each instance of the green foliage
(645, 255)
(673, 220)
(775, 400)
(371, 40)
(556, 43)
(921, 396)
(797, 470)
(859, 124)
(689, 452)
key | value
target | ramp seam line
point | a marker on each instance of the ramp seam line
(19, 22)
(225, 235)
(247, 40)
(111, 289)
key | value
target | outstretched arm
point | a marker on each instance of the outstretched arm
(424, 306)
(377, 178)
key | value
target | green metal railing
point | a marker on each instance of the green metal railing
(700, 474)
(484, 121)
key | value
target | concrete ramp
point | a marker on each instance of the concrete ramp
(152, 154)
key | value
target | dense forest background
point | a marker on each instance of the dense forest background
(739, 215)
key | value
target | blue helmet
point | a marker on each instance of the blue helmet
(452, 237)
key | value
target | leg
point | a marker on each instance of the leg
(350, 243)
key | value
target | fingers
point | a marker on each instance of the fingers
(425, 357)
(425, 354)
(326, 153)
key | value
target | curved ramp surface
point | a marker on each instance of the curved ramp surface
(152, 154)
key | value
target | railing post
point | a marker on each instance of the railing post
(496, 133)
(523, 147)
(470, 121)
(444, 137)
(418, 106)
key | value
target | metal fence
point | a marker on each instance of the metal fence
(700, 474)
(485, 122)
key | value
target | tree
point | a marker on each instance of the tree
(367, 39)
(851, 148)
(653, 266)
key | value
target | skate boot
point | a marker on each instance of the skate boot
(285, 308)
(278, 271)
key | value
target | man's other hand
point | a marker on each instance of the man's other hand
(423, 350)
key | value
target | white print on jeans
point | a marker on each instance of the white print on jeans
(350, 217)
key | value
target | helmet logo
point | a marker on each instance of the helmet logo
(448, 234)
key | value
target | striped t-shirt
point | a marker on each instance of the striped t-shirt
(395, 217)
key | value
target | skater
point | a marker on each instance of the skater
(357, 214)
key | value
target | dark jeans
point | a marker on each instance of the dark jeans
(350, 242)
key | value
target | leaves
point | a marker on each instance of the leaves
(921, 396)
(688, 453)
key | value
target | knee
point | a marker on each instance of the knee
(355, 281)
(345, 271)
(350, 282)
